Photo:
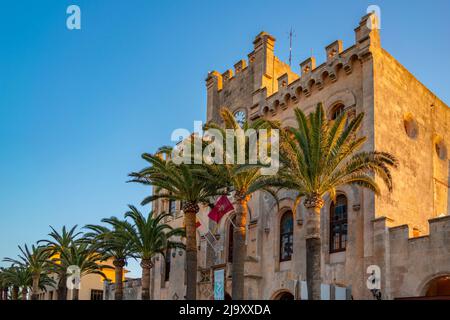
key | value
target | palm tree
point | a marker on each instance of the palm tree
(84, 256)
(111, 243)
(178, 183)
(36, 260)
(4, 285)
(244, 180)
(59, 243)
(149, 237)
(21, 279)
(318, 158)
(9, 281)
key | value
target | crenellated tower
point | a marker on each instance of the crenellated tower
(405, 232)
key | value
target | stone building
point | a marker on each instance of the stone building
(92, 286)
(406, 233)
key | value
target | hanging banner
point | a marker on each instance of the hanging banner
(219, 284)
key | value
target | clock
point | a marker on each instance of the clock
(240, 117)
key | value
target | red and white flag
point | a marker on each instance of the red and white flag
(222, 207)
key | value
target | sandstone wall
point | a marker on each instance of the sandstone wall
(421, 182)
(364, 78)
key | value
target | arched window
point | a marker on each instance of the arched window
(338, 224)
(230, 239)
(286, 236)
(337, 111)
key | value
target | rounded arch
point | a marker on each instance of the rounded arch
(285, 202)
(298, 92)
(289, 122)
(282, 294)
(439, 287)
(338, 67)
(352, 59)
(431, 282)
(238, 109)
(275, 105)
(349, 191)
(287, 99)
(336, 110)
(324, 75)
(345, 97)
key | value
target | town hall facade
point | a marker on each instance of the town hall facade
(405, 233)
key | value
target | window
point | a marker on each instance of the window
(338, 110)
(441, 150)
(172, 206)
(180, 209)
(167, 266)
(96, 294)
(240, 117)
(286, 236)
(338, 224)
(230, 239)
(411, 127)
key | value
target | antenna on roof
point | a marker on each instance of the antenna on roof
(291, 36)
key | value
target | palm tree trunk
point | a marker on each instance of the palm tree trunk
(62, 289)
(313, 246)
(24, 294)
(239, 248)
(118, 265)
(146, 265)
(15, 293)
(75, 294)
(191, 255)
(35, 288)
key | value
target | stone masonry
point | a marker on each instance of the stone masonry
(406, 232)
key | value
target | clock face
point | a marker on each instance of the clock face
(240, 117)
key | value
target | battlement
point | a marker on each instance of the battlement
(404, 239)
(273, 85)
(409, 260)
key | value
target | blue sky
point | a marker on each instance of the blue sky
(77, 108)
